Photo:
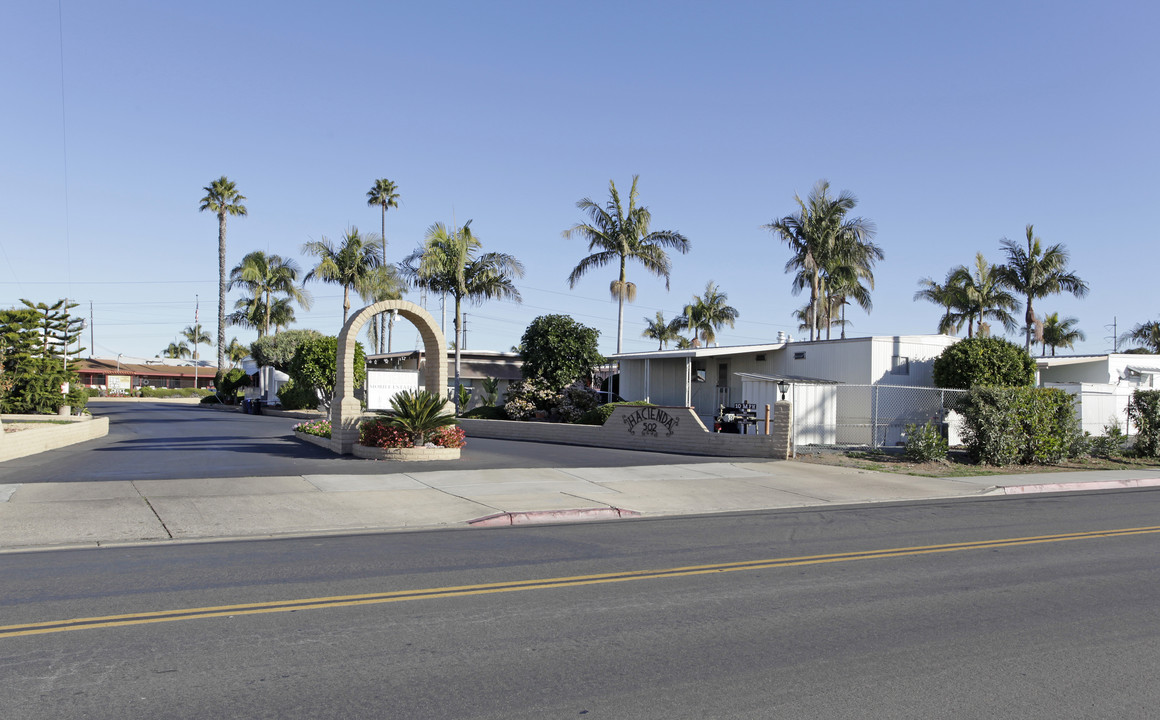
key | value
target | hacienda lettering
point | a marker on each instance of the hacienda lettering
(648, 419)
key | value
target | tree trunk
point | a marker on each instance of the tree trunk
(620, 308)
(458, 342)
(382, 318)
(221, 333)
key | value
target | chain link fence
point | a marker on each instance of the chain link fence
(869, 416)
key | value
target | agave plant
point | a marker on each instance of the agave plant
(419, 413)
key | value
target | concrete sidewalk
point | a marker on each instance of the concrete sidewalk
(91, 514)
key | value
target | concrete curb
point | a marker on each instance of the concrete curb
(1072, 486)
(551, 516)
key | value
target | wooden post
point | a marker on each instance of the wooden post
(767, 419)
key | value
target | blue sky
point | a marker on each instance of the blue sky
(955, 125)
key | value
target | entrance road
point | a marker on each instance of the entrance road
(164, 441)
(1051, 628)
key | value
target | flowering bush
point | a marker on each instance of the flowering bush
(576, 400)
(451, 436)
(319, 428)
(378, 432)
(524, 397)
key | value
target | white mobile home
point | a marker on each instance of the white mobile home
(1101, 384)
(709, 377)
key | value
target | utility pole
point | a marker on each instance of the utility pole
(464, 331)
(1115, 335)
(92, 342)
(196, 333)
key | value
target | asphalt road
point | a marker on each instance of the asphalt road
(925, 610)
(159, 441)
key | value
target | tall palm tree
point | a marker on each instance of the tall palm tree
(615, 233)
(1037, 272)
(450, 262)
(264, 276)
(222, 198)
(663, 332)
(348, 265)
(1060, 333)
(1146, 335)
(708, 313)
(821, 239)
(385, 195)
(382, 284)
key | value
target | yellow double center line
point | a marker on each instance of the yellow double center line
(108, 621)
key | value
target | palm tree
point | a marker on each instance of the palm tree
(222, 197)
(382, 284)
(348, 265)
(1037, 273)
(385, 195)
(1060, 333)
(264, 276)
(684, 343)
(986, 296)
(708, 313)
(176, 350)
(951, 295)
(197, 336)
(449, 262)
(619, 234)
(1146, 335)
(823, 240)
(236, 352)
(663, 332)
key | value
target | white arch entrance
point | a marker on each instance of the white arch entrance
(345, 409)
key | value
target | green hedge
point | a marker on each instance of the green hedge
(1144, 412)
(1028, 426)
(486, 412)
(600, 415)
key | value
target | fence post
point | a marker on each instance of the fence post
(874, 418)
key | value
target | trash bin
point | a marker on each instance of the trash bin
(246, 406)
(257, 406)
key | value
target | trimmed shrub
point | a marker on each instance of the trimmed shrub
(600, 415)
(989, 362)
(297, 397)
(486, 412)
(1144, 413)
(1003, 426)
(925, 443)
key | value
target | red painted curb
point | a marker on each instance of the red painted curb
(549, 516)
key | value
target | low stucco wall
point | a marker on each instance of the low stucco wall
(635, 427)
(51, 436)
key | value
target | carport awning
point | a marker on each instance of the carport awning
(787, 378)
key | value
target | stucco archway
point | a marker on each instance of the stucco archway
(345, 409)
